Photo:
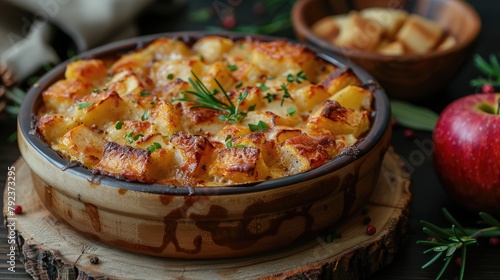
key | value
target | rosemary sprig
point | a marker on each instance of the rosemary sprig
(205, 98)
(445, 242)
(489, 68)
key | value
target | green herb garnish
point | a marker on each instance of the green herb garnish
(291, 111)
(128, 137)
(204, 98)
(270, 97)
(170, 76)
(413, 116)
(84, 105)
(119, 125)
(239, 84)
(491, 69)
(229, 143)
(145, 115)
(445, 242)
(153, 147)
(138, 136)
(286, 93)
(95, 90)
(263, 87)
(144, 93)
(262, 126)
(232, 67)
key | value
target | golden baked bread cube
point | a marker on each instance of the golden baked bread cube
(92, 70)
(238, 165)
(165, 118)
(389, 19)
(392, 48)
(192, 153)
(52, 127)
(231, 131)
(62, 94)
(279, 58)
(281, 133)
(326, 28)
(218, 71)
(171, 90)
(331, 116)
(162, 155)
(165, 72)
(308, 97)
(258, 139)
(122, 161)
(248, 73)
(167, 49)
(360, 33)
(135, 61)
(419, 34)
(83, 144)
(127, 85)
(448, 43)
(254, 99)
(128, 132)
(339, 79)
(101, 110)
(353, 97)
(302, 153)
(212, 48)
(270, 118)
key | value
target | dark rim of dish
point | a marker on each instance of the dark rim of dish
(380, 121)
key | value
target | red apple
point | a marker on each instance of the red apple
(467, 152)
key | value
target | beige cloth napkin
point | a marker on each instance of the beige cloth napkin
(88, 22)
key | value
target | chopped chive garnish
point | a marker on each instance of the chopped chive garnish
(119, 125)
(84, 105)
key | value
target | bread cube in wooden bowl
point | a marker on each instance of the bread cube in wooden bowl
(413, 48)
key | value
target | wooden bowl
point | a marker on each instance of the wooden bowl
(215, 222)
(410, 76)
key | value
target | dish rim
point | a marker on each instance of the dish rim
(26, 121)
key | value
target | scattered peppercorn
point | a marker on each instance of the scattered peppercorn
(394, 122)
(229, 22)
(487, 88)
(94, 260)
(409, 134)
(494, 241)
(18, 209)
(371, 229)
(259, 8)
(367, 220)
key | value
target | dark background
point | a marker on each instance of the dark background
(483, 261)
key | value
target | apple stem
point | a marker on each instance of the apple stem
(498, 106)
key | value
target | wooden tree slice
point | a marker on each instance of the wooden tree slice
(51, 250)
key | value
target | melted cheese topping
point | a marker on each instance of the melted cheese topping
(130, 119)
